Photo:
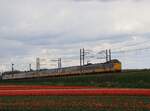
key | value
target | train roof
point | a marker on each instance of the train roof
(115, 61)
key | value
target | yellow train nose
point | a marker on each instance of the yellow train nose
(117, 67)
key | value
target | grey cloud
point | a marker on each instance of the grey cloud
(27, 27)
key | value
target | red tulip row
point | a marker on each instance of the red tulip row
(74, 92)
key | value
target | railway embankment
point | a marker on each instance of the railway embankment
(124, 79)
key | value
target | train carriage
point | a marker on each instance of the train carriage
(110, 66)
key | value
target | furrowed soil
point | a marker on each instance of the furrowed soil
(125, 79)
(75, 103)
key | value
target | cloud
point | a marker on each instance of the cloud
(62, 28)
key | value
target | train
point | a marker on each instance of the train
(109, 66)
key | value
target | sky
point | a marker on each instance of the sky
(50, 29)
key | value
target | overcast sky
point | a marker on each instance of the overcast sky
(59, 28)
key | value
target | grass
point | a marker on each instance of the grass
(75, 103)
(126, 79)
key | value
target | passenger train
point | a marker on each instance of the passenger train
(110, 66)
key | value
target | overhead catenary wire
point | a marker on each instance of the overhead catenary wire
(88, 54)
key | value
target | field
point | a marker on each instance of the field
(75, 103)
(126, 79)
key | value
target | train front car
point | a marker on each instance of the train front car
(109, 66)
(117, 67)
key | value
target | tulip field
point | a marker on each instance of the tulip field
(75, 103)
(126, 91)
